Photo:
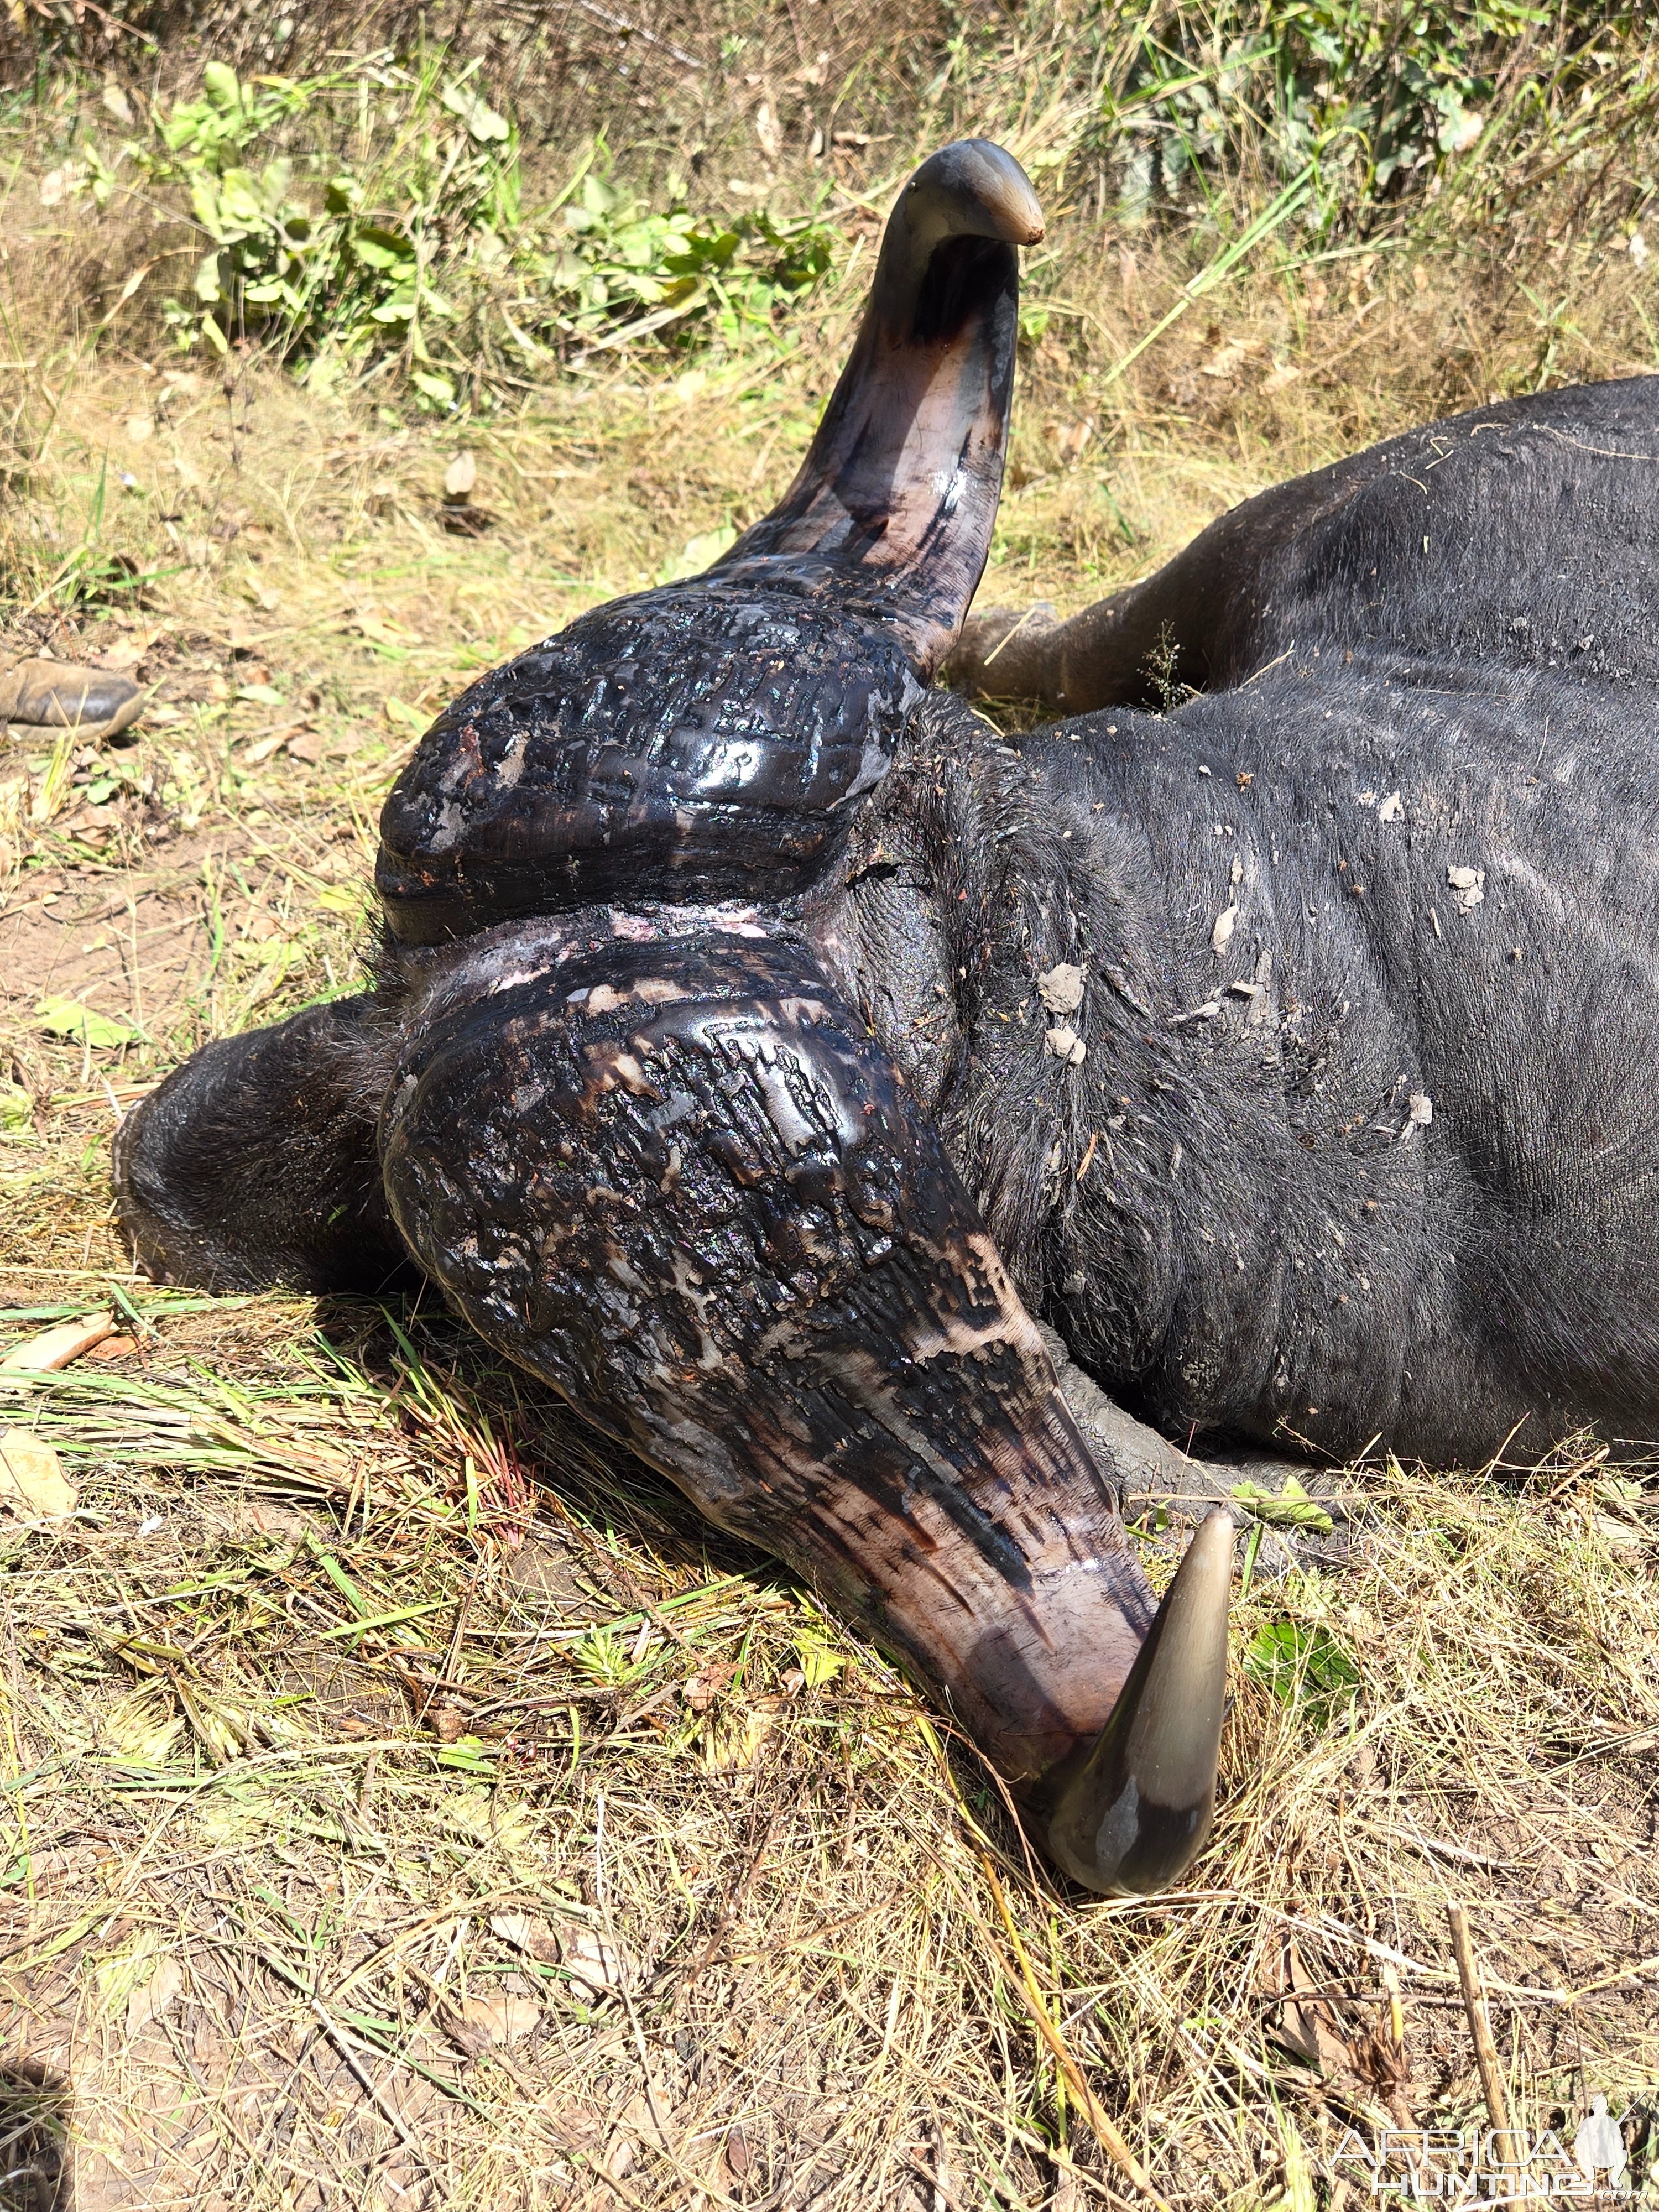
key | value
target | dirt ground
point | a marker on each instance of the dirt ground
(403, 1803)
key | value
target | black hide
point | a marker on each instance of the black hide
(1233, 1209)
(1520, 536)
(1424, 805)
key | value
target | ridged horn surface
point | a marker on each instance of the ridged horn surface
(1133, 1812)
(894, 503)
(706, 740)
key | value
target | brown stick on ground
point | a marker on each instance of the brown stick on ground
(1485, 2052)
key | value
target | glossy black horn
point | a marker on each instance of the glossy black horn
(708, 741)
(893, 506)
(1133, 1812)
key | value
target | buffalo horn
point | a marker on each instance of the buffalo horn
(890, 513)
(1132, 1811)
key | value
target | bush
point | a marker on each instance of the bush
(383, 215)
(420, 253)
(1373, 104)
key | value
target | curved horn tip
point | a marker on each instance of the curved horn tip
(1131, 1813)
(975, 188)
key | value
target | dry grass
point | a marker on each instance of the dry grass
(365, 1713)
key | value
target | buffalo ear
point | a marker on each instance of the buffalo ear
(254, 1164)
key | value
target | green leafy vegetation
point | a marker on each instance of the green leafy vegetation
(1387, 111)
(413, 246)
(81, 1024)
(1305, 1668)
(404, 215)
(1374, 98)
(1289, 1507)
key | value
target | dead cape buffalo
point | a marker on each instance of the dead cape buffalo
(761, 1041)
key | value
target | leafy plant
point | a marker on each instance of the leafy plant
(1371, 96)
(1382, 107)
(820, 1663)
(603, 1656)
(337, 255)
(1304, 1668)
(80, 1024)
(1290, 1507)
(300, 273)
(619, 258)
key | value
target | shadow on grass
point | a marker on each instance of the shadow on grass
(34, 2159)
(597, 1488)
(590, 1477)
